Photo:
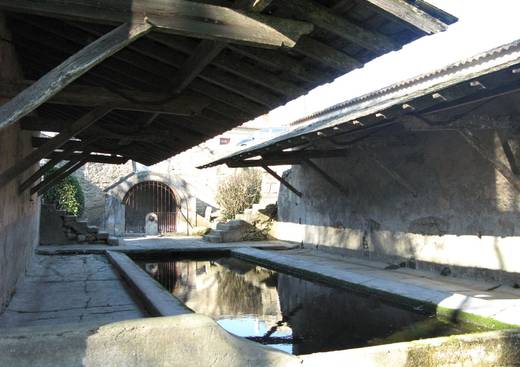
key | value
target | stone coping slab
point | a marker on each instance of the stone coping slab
(189, 340)
(419, 294)
(159, 245)
(495, 348)
(157, 300)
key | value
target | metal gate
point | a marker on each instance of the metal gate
(150, 197)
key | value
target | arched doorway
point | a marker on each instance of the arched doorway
(150, 197)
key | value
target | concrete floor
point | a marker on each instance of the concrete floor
(70, 289)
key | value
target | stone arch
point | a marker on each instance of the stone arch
(115, 194)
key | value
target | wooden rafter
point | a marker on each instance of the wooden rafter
(282, 181)
(408, 14)
(88, 96)
(51, 164)
(92, 157)
(324, 18)
(489, 156)
(504, 141)
(288, 158)
(36, 155)
(181, 17)
(207, 51)
(390, 171)
(331, 180)
(62, 172)
(68, 71)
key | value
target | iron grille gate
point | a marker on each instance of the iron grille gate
(150, 197)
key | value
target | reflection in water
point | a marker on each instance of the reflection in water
(289, 313)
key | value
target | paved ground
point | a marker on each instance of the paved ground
(70, 289)
(85, 287)
(471, 300)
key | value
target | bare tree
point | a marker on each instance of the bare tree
(239, 192)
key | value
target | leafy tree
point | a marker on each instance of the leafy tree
(239, 192)
(66, 194)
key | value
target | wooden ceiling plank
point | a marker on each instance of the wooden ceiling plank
(186, 18)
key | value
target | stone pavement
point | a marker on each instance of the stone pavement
(70, 289)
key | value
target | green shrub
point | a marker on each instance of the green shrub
(239, 192)
(66, 194)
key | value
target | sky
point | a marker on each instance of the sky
(482, 25)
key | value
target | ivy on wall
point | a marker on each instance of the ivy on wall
(66, 194)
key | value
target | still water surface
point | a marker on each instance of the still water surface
(289, 313)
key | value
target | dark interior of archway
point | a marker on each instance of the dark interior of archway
(150, 197)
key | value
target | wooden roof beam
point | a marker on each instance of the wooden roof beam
(91, 157)
(186, 18)
(60, 173)
(54, 143)
(325, 18)
(409, 15)
(68, 71)
(88, 96)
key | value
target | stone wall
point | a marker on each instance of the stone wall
(100, 182)
(19, 214)
(452, 206)
(94, 178)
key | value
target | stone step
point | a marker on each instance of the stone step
(102, 236)
(113, 241)
(92, 229)
(222, 226)
(69, 218)
(78, 227)
(212, 238)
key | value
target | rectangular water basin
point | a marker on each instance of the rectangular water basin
(288, 313)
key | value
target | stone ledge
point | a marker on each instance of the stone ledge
(190, 340)
(495, 348)
(156, 299)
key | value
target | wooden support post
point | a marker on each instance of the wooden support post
(36, 155)
(327, 177)
(61, 173)
(392, 173)
(68, 71)
(52, 163)
(476, 144)
(508, 153)
(282, 181)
